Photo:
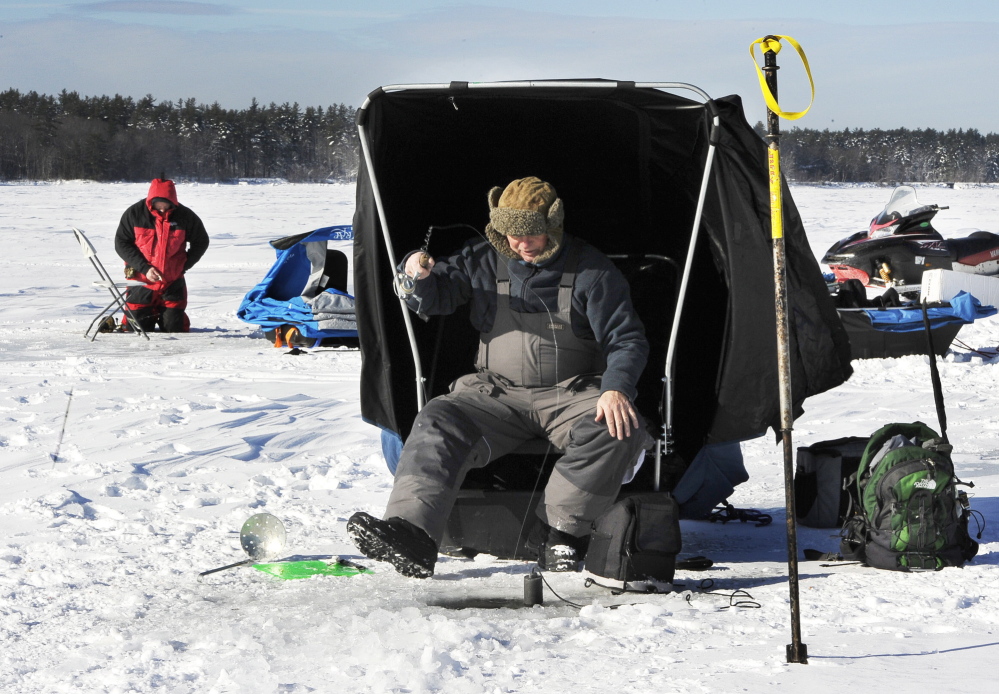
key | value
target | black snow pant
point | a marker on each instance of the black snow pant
(165, 307)
(484, 418)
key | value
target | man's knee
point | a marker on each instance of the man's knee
(590, 443)
(586, 431)
(443, 439)
(174, 320)
(444, 415)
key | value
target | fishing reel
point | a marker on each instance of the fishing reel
(404, 284)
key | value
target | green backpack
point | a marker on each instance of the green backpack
(910, 514)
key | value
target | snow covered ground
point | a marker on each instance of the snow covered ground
(171, 444)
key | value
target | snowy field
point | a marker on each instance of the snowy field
(171, 444)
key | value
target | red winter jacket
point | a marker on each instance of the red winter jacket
(147, 238)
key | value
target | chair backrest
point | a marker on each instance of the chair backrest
(91, 254)
(88, 248)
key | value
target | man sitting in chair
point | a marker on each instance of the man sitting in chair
(561, 350)
(153, 238)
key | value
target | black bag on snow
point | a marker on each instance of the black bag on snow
(825, 479)
(910, 515)
(636, 539)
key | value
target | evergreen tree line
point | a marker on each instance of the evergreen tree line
(888, 156)
(117, 138)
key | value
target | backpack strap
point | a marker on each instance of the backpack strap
(934, 374)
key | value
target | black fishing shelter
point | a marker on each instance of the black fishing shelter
(635, 166)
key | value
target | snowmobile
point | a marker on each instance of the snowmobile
(901, 243)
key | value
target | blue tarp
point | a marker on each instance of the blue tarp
(964, 308)
(277, 299)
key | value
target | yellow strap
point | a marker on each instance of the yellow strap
(770, 44)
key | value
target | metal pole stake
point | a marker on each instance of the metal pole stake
(797, 652)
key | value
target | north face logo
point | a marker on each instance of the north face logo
(925, 483)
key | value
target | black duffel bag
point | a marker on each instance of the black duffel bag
(636, 539)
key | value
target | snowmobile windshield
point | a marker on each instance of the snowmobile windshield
(902, 204)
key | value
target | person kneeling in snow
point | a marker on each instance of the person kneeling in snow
(153, 238)
(561, 350)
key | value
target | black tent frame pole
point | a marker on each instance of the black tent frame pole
(797, 652)
(666, 445)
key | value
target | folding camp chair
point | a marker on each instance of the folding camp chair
(114, 288)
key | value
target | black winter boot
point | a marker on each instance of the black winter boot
(395, 540)
(558, 551)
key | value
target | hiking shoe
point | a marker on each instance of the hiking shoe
(395, 540)
(561, 551)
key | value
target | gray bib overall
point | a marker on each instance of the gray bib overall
(538, 349)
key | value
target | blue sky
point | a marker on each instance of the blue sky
(876, 64)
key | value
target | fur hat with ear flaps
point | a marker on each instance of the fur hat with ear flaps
(527, 207)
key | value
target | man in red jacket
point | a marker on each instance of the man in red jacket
(159, 239)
